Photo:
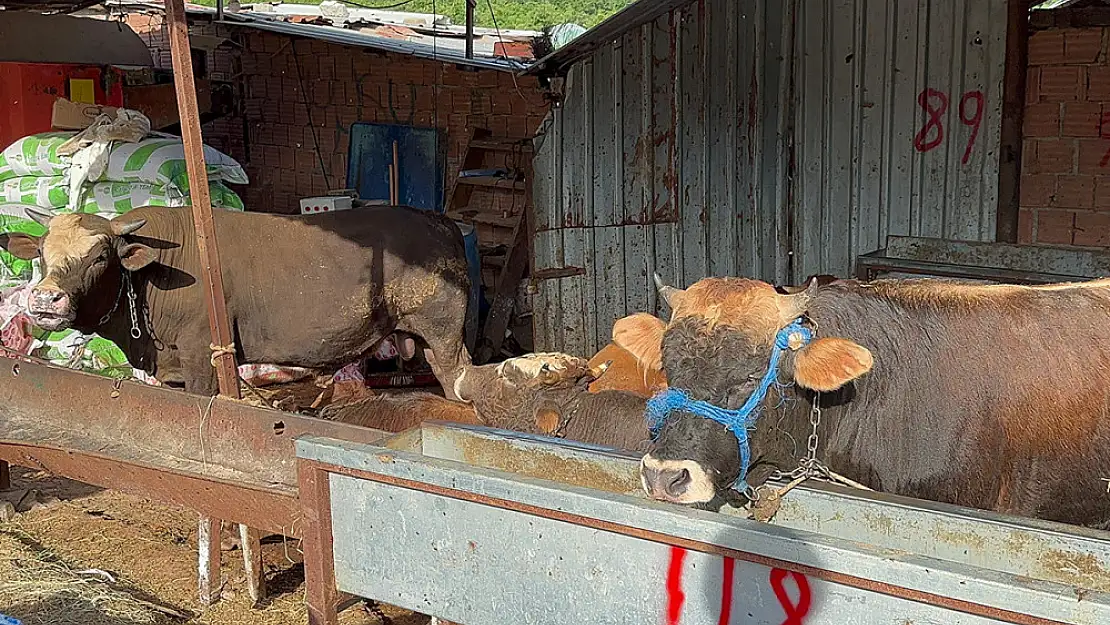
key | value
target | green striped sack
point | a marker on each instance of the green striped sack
(36, 155)
(161, 160)
(111, 199)
(42, 191)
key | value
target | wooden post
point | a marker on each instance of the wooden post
(208, 560)
(5, 475)
(212, 278)
(321, 595)
(1013, 115)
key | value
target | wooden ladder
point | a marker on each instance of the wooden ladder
(517, 257)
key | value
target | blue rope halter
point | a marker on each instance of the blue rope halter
(737, 421)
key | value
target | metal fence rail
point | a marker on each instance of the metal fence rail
(486, 528)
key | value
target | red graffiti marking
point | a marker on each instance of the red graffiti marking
(973, 121)
(921, 142)
(726, 591)
(675, 596)
(935, 104)
(794, 611)
(1104, 133)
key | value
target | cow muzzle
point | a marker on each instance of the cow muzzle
(50, 308)
(676, 481)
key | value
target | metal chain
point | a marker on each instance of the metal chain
(136, 332)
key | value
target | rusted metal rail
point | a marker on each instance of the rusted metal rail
(223, 458)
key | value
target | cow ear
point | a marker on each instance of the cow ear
(20, 245)
(548, 419)
(135, 256)
(827, 364)
(642, 335)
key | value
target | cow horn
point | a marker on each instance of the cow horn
(547, 376)
(124, 228)
(40, 217)
(598, 371)
(793, 306)
(666, 292)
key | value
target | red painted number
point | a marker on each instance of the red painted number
(794, 609)
(935, 104)
(973, 121)
(921, 142)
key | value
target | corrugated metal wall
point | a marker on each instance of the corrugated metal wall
(861, 174)
(759, 138)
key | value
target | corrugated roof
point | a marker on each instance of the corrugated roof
(630, 17)
(414, 34)
(46, 6)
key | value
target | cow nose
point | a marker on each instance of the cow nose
(48, 299)
(672, 482)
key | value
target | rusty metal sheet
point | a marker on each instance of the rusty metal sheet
(150, 426)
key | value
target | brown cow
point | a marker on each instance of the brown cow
(316, 291)
(986, 396)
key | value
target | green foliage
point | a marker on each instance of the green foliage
(522, 14)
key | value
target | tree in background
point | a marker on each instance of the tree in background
(511, 14)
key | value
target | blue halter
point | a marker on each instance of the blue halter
(737, 421)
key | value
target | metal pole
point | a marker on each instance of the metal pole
(219, 10)
(211, 275)
(470, 4)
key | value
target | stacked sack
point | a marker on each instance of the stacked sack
(149, 172)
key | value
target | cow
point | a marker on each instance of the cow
(986, 396)
(397, 412)
(316, 291)
(643, 333)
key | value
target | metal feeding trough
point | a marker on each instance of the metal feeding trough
(487, 527)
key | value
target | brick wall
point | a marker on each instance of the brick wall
(1065, 183)
(344, 85)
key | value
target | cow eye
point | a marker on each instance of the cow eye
(103, 258)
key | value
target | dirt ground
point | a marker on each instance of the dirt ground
(148, 550)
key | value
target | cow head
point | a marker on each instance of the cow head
(717, 349)
(81, 255)
(517, 394)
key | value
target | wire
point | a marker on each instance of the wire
(308, 109)
(381, 8)
(489, 3)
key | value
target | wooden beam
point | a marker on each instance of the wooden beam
(227, 372)
(1013, 115)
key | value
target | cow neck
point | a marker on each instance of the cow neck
(738, 421)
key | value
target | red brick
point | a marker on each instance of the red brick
(1063, 84)
(1052, 156)
(1037, 190)
(1092, 154)
(1025, 226)
(1042, 120)
(1102, 193)
(1092, 229)
(1082, 45)
(1055, 226)
(1098, 83)
(1075, 191)
(1046, 47)
(1081, 119)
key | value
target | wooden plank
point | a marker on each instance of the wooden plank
(874, 64)
(492, 182)
(5, 476)
(634, 125)
(484, 218)
(501, 146)
(721, 97)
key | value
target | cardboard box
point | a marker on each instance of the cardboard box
(75, 116)
(325, 204)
